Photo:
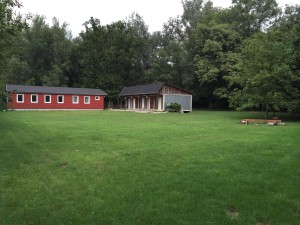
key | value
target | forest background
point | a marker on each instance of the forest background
(246, 56)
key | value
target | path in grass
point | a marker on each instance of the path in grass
(129, 168)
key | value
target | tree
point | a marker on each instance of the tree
(140, 49)
(214, 53)
(42, 56)
(266, 79)
(251, 16)
(10, 25)
(18, 72)
(289, 24)
(167, 59)
(75, 71)
(197, 11)
(114, 55)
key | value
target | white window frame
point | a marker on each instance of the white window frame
(37, 98)
(63, 99)
(77, 99)
(45, 96)
(18, 98)
(89, 100)
(97, 98)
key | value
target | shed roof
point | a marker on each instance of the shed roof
(53, 90)
(146, 89)
(142, 89)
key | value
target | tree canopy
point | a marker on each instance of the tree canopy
(266, 78)
(10, 26)
(244, 56)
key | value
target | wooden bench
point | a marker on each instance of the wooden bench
(270, 122)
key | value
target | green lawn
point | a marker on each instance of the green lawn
(88, 167)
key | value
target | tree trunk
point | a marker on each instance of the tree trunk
(266, 113)
(210, 103)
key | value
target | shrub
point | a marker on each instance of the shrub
(4, 100)
(174, 107)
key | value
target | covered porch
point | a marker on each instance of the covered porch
(144, 102)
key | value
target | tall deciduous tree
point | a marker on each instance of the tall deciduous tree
(197, 11)
(289, 24)
(10, 25)
(251, 16)
(214, 50)
(168, 55)
(267, 79)
(43, 55)
(60, 47)
(113, 55)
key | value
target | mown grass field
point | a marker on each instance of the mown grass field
(128, 168)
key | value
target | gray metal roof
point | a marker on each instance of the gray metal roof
(146, 89)
(53, 90)
(142, 89)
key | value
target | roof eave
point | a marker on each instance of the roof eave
(139, 94)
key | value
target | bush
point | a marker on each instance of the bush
(3, 100)
(174, 107)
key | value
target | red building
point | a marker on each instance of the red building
(54, 98)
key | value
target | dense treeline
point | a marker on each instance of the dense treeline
(244, 56)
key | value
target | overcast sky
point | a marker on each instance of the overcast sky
(75, 13)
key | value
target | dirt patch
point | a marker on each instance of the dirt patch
(260, 221)
(62, 165)
(232, 213)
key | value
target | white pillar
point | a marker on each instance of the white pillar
(148, 103)
(129, 103)
(143, 103)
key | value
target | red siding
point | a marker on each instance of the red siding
(152, 102)
(68, 104)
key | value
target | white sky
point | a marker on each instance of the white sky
(75, 13)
